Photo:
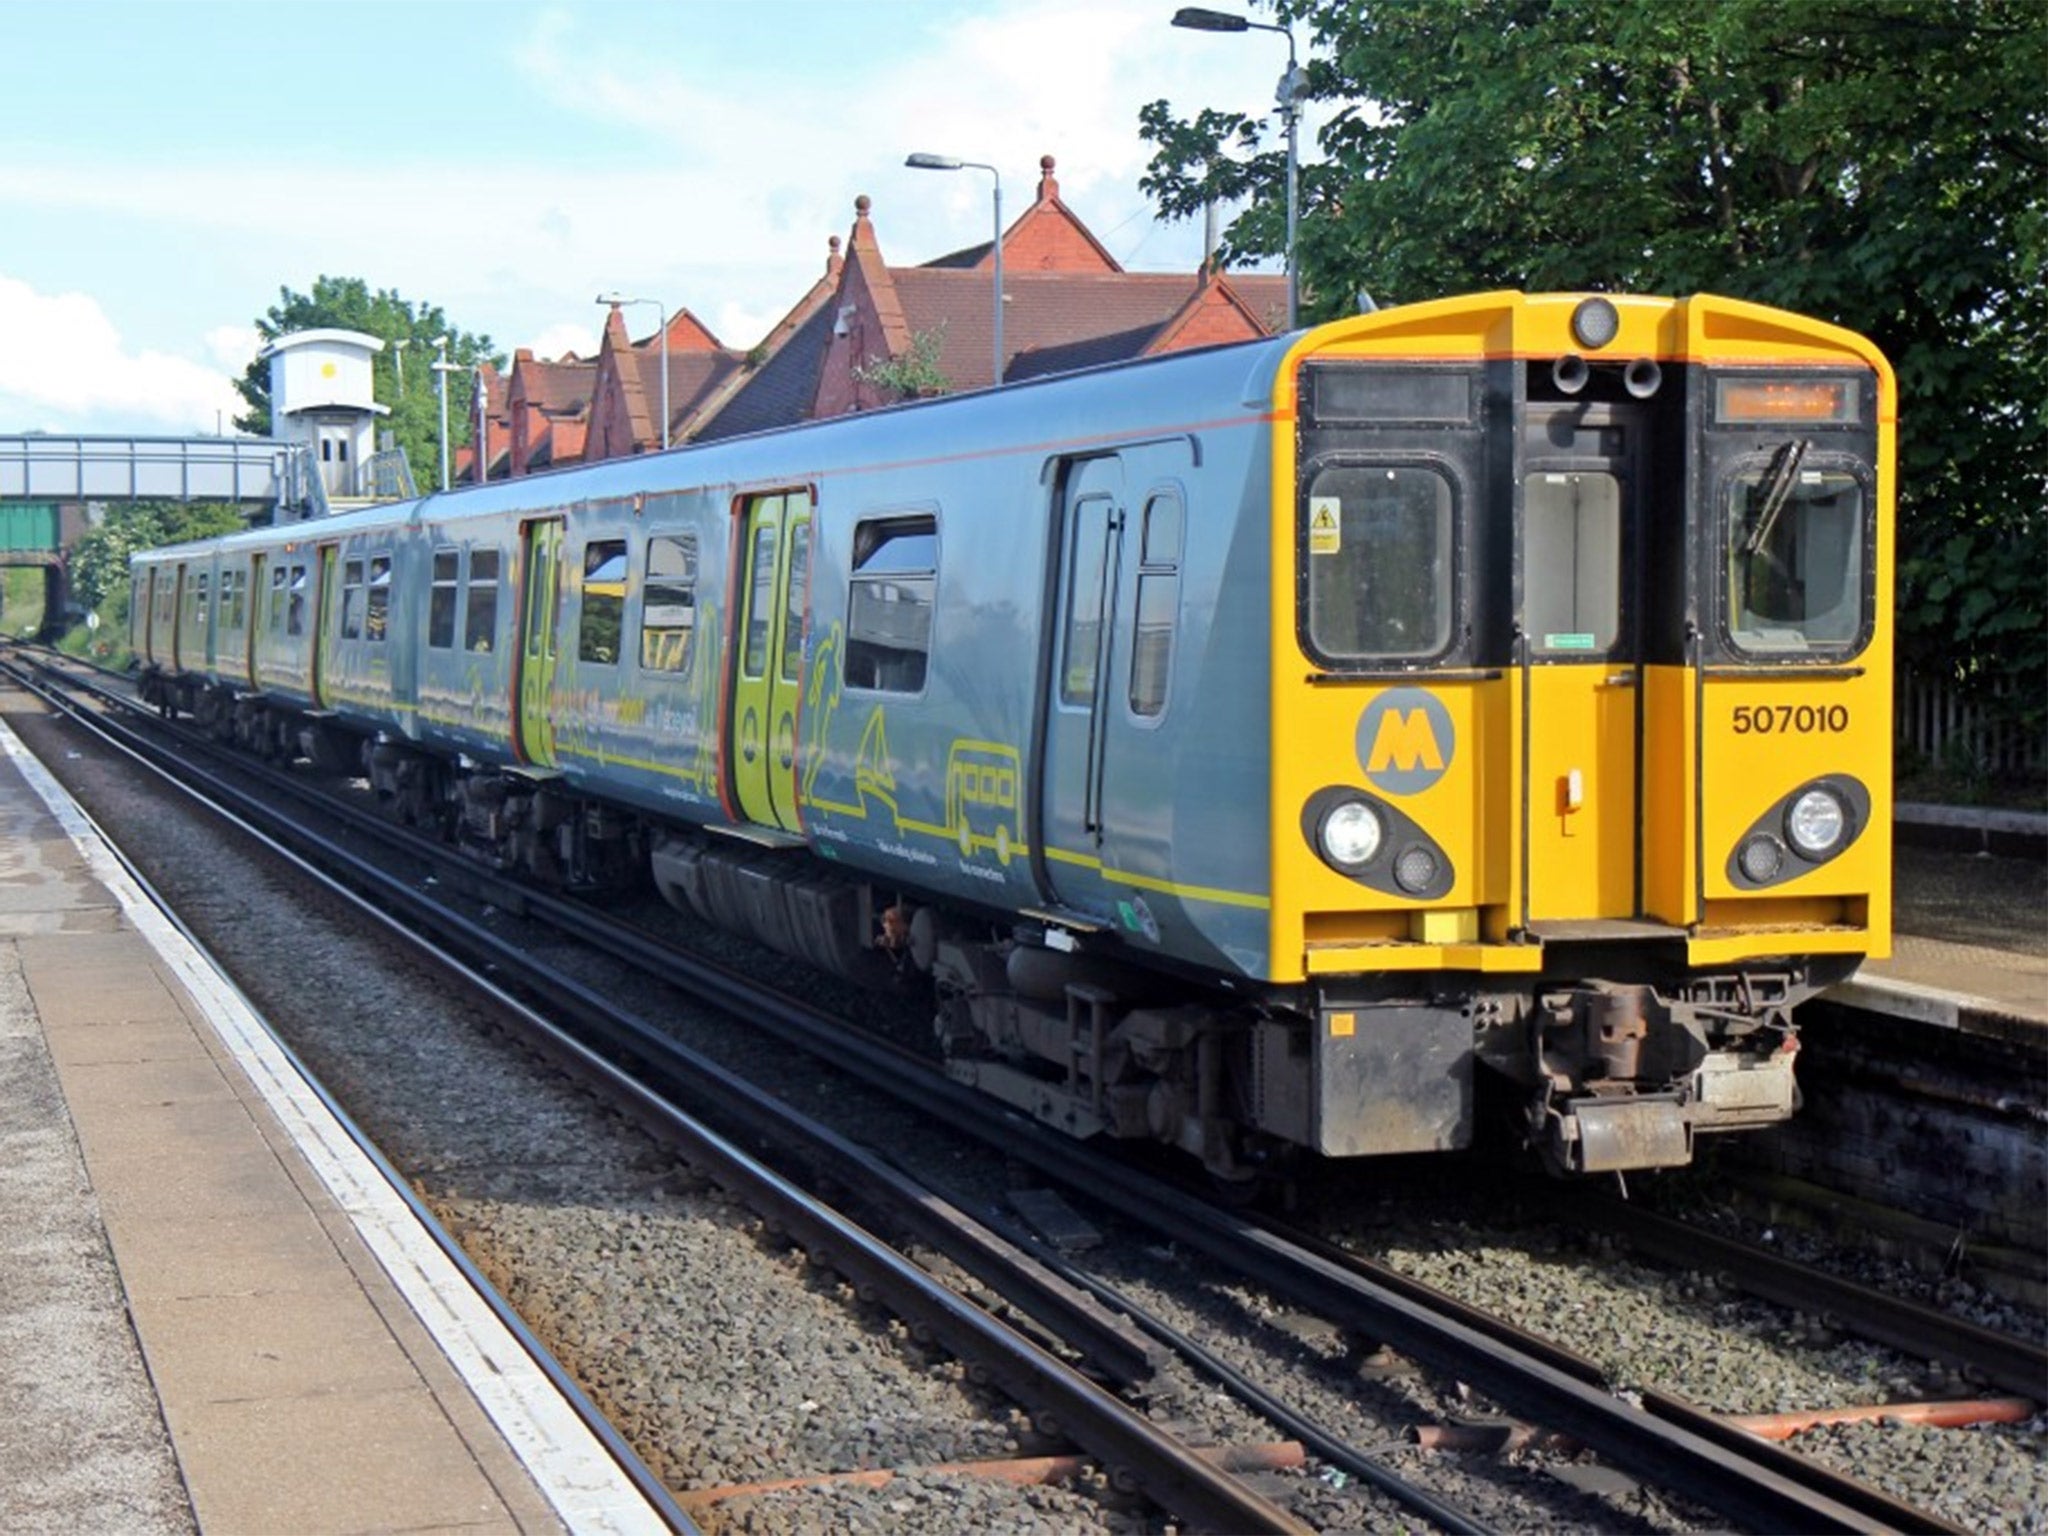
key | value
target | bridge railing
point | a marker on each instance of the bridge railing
(52, 468)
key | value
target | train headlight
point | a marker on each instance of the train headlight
(1350, 834)
(1815, 822)
(1761, 858)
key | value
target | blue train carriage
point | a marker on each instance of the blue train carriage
(1255, 749)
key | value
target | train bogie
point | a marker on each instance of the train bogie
(1272, 747)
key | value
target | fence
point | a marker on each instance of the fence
(1937, 721)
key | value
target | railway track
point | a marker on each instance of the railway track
(1179, 1477)
(1663, 1442)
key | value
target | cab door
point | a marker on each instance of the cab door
(1584, 479)
(1074, 825)
(770, 598)
(539, 606)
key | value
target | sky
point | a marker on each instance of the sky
(167, 168)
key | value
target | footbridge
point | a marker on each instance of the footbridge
(253, 470)
(46, 479)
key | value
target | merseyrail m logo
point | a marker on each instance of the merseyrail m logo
(1405, 741)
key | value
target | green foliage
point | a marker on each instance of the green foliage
(346, 303)
(21, 599)
(1879, 165)
(916, 374)
(99, 561)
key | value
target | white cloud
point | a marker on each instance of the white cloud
(63, 368)
(714, 176)
(557, 340)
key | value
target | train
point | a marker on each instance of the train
(1466, 714)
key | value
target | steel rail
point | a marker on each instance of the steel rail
(1171, 1473)
(649, 1486)
(2017, 1365)
(1666, 1442)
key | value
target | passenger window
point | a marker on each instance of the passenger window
(238, 599)
(199, 602)
(793, 606)
(295, 611)
(280, 580)
(889, 603)
(352, 600)
(376, 618)
(1379, 551)
(668, 605)
(480, 618)
(441, 605)
(760, 599)
(1087, 600)
(604, 601)
(1158, 605)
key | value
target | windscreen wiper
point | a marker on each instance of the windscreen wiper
(1775, 489)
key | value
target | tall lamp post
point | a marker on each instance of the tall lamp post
(398, 363)
(480, 462)
(615, 300)
(1196, 19)
(923, 162)
(442, 369)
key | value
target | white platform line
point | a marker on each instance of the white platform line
(579, 1478)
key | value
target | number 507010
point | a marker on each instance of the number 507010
(1790, 719)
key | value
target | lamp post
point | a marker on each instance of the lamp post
(615, 300)
(1196, 19)
(924, 162)
(398, 363)
(481, 459)
(442, 369)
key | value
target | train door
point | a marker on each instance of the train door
(1077, 791)
(770, 597)
(174, 617)
(539, 609)
(252, 609)
(326, 620)
(141, 604)
(1584, 492)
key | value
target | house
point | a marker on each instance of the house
(548, 408)
(627, 396)
(1067, 304)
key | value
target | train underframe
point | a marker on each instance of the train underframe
(1615, 1059)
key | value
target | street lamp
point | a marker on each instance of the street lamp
(481, 459)
(398, 362)
(442, 369)
(1196, 19)
(615, 300)
(923, 162)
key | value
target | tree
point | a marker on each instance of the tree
(1881, 166)
(346, 303)
(98, 566)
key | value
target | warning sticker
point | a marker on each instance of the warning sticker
(1325, 532)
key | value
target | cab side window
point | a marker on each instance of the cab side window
(1158, 605)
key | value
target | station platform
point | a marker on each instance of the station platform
(215, 1312)
(1970, 926)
